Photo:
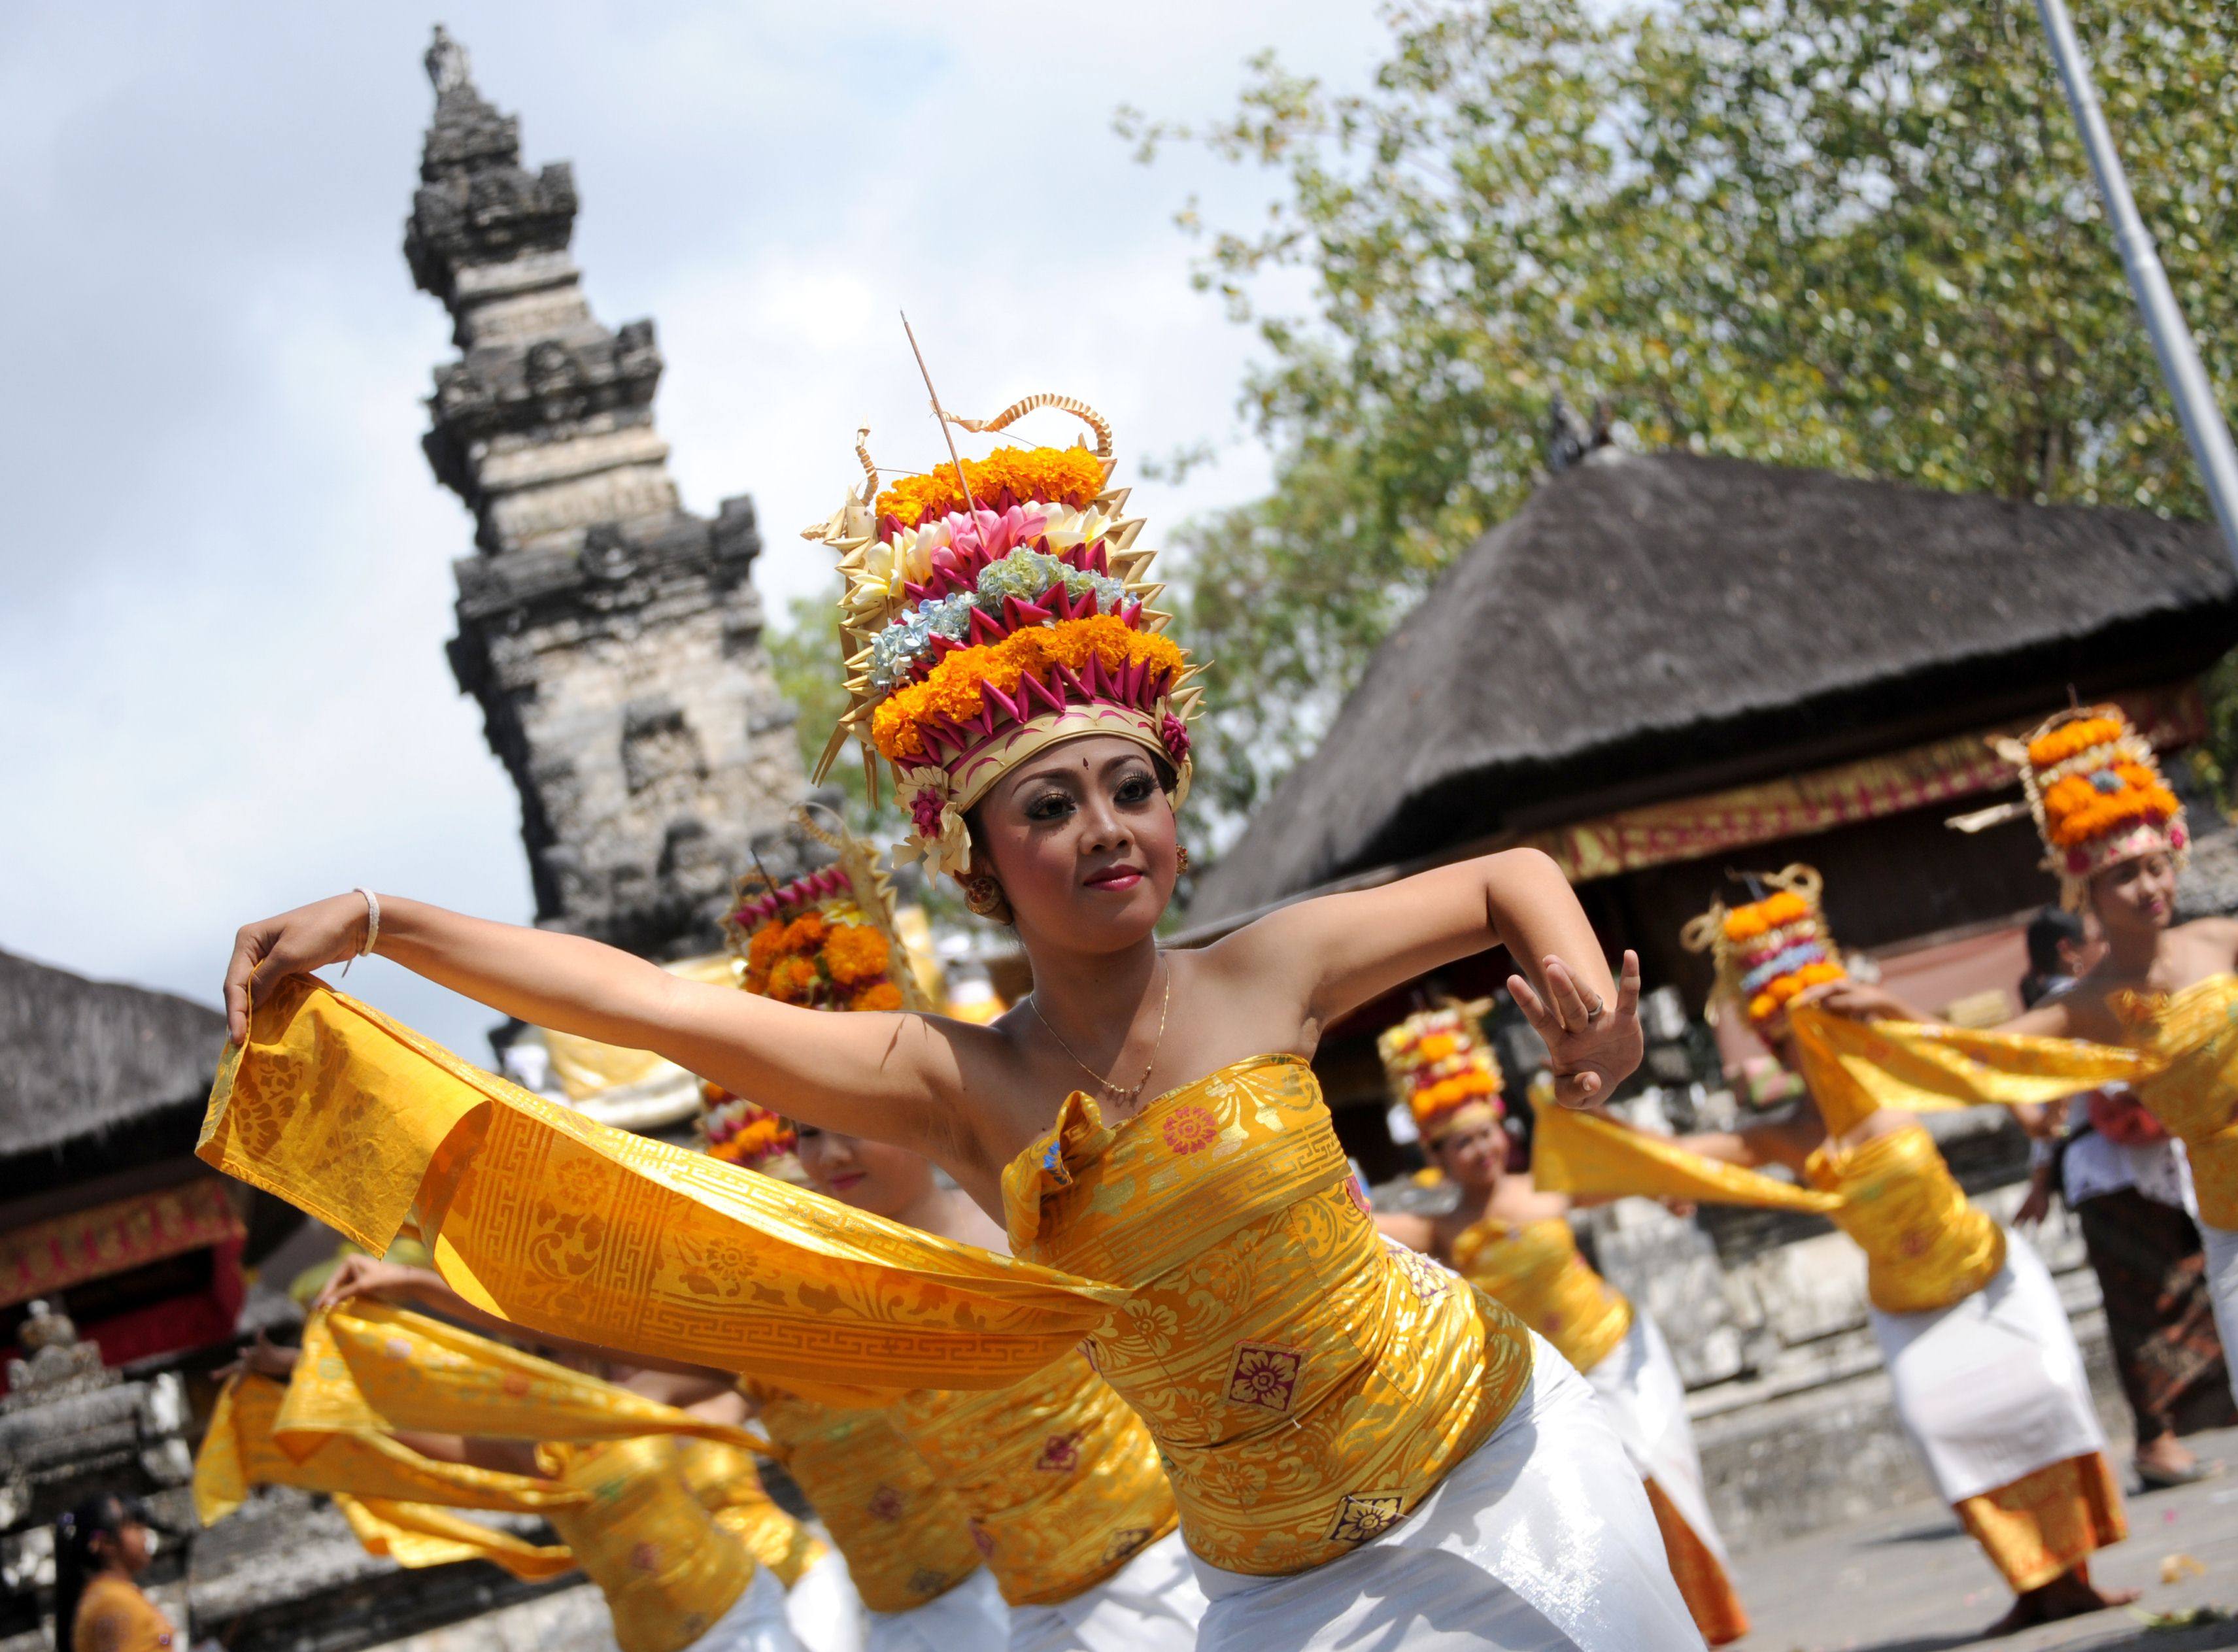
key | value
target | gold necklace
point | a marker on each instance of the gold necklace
(1127, 1095)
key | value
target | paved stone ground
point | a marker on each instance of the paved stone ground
(1911, 1581)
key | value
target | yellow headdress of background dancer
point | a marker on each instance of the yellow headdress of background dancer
(993, 608)
(1771, 949)
(2095, 791)
(1440, 1065)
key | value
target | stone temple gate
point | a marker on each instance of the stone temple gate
(611, 637)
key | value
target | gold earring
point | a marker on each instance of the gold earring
(984, 895)
(1181, 860)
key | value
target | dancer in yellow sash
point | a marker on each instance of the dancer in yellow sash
(1988, 1379)
(1060, 1481)
(2165, 991)
(1357, 1447)
(1512, 1240)
(401, 1417)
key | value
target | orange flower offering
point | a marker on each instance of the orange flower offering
(738, 1132)
(1438, 1063)
(1006, 477)
(1770, 950)
(2095, 787)
(979, 631)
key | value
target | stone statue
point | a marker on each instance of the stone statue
(447, 66)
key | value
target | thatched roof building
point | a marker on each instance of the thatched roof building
(1656, 626)
(83, 1060)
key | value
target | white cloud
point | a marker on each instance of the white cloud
(227, 565)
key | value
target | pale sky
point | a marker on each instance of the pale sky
(227, 566)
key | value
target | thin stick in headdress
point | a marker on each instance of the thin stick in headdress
(940, 417)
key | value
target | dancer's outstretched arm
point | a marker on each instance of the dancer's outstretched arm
(894, 1077)
(1342, 950)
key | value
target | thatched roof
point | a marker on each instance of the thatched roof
(1649, 626)
(81, 1057)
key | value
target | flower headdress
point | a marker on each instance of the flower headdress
(2095, 790)
(1440, 1065)
(1770, 950)
(993, 609)
(825, 941)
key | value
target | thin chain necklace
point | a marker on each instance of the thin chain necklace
(1126, 1094)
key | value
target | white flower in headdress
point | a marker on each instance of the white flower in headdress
(938, 835)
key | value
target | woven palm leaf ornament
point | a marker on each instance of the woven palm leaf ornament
(992, 608)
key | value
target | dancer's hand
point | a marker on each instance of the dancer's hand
(265, 1358)
(1860, 1000)
(326, 932)
(368, 1276)
(1591, 1046)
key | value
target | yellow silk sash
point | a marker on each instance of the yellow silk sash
(420, 1534)
(905, 1539)
(1926, 1245)
(1306, 1384)
(1591, 1158)
(728, 1487)
(1856, 1067)
(1535, 1273)
(371, 1366)
(389, 1492)
(549, 1220)
(667, 1570)
(1060, 1480)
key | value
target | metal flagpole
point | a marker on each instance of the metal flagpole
(2196, 405)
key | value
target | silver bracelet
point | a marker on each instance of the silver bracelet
(372, 926)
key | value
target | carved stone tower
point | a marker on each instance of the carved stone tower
(611, 637)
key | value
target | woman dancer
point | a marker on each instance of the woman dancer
(2115, 836)
(1356, 1448)
(1989, 1382)
(377, 1397)
(101, 1547)
(1512, 1240)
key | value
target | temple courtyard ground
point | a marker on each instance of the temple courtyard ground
(1911, 1581)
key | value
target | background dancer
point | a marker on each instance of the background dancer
(2124, 1178)
(1357, 1443)
(1988, 1380)
(2115, 835)
(436, 1397)
(1512, 1240)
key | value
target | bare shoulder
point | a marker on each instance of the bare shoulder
(2216, 935)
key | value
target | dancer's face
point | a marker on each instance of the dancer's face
(1083, 840)
(869, 1175)
(127, 1548)
(1475, 1154)
(2135, 898)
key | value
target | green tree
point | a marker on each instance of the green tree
(1853, 233)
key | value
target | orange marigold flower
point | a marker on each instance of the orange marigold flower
(952, 688)
(764, 946)
(805, 933)
(2069, 738)
(855, 952)
(1007, 476)
(793, 980)
(879, 995)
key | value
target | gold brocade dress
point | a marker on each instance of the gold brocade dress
(2192, 1036)
(113, 1615)
(1060, 1480)
(667, 1570)
(1307, 1383)
(904, 1537)
(1928, 1248)
(1535, 1273)
(729, 1486)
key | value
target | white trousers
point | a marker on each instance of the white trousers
(1150, 1604)
(1542, 1541)
(970, 1618)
